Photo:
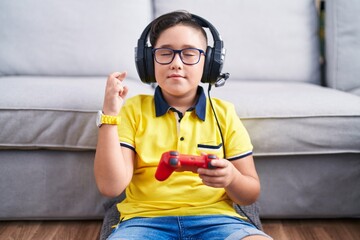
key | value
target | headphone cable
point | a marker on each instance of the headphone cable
(217, 121)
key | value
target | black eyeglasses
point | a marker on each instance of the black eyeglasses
(188, 56)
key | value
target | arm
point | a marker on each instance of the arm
(239, 179)
(113, 165)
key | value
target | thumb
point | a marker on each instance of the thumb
(121, 75)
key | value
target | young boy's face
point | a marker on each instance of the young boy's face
(176, 78)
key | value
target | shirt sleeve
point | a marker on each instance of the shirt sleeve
(127, 127)
(237, 140)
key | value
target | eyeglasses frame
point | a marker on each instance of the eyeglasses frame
(178, 52)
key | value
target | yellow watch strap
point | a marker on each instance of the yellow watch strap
(113, 120)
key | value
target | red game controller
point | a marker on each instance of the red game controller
(173, 161)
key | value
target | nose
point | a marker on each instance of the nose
(176, 62)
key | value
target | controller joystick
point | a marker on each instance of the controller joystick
(173, 161)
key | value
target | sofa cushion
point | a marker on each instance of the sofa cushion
(343, 45)
(46, 184)
(70, 37)
(265, 40)
(295, 118)
(53, 112)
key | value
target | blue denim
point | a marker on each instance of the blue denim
(185, 228)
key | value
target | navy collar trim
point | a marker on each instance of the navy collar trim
(162, 107)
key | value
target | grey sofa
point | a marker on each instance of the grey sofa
(304, 122)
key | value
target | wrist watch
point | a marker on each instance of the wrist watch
(106, 119)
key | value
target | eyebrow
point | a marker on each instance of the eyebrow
(170, 46)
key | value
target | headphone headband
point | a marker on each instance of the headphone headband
(206, 24)
(214, 59)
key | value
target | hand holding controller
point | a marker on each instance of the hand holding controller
(173, 161)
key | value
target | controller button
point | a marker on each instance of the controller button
(174, 153)
(173, 161)
(212, 156)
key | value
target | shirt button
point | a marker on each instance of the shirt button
(182, 139)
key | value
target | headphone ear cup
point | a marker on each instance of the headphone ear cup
(144, 63)
(207, 66)
(140, 61)
(149, 66)
(216, 63)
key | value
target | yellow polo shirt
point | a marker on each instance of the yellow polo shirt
(150, 127)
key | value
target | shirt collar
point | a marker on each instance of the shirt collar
(162, 107)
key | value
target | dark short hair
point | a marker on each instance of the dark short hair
(171, 19)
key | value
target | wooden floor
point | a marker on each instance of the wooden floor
(89, 230)
(344, 229)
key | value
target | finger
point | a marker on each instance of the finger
(121, 76)
(112, 80)
(220, 163)
(210, 172)
(214, 185)
(119, 86)
(212, 182)
(116, 74)
(210, 185)
(124, 92)
(116, 77)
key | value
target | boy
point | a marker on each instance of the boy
(178, 117)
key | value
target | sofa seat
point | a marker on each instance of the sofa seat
(295, 118)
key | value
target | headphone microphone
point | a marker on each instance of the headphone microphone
(222, 79)
(214, 59)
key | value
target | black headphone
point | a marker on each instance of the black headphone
(214, 59)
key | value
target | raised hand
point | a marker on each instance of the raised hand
(115, 93)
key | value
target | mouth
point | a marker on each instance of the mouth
(175, 75)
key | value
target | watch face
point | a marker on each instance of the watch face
(98, 119)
